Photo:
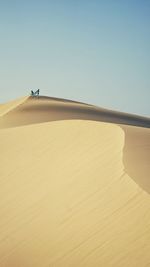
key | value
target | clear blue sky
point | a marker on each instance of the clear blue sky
(88, 50)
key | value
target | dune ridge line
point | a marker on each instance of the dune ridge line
(32, 110)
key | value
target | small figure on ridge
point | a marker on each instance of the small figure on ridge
(36, 93)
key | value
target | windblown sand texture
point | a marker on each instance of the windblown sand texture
(74, 185)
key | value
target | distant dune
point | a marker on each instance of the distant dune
(74, 185)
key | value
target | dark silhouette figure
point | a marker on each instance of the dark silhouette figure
(36, 93)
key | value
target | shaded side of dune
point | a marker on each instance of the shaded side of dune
(45, 109)
(136, 155)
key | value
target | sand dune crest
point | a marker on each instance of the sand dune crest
(44, 109)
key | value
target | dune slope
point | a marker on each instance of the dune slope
(74, 192)
(41, 109)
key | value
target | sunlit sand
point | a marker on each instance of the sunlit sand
(74, 185)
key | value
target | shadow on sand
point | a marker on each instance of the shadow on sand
(136, 155)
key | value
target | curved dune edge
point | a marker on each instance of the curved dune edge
(32, 110)
(74, 193)
(7, 107)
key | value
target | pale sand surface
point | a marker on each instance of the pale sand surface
(74, 192)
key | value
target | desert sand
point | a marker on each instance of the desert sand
(74, 185)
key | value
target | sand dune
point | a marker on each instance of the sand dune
(74, 188)
(6, 108)
(31, 110)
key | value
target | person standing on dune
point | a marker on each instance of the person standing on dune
(36, 93)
